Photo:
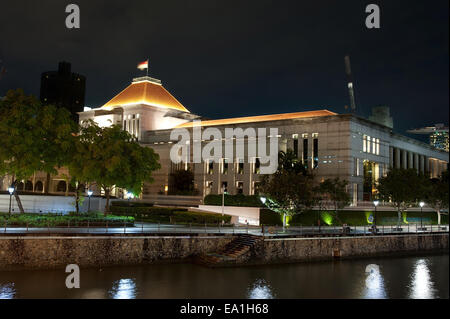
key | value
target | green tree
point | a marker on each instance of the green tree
(437, 194)
(291, 189)
(334, 191)
(402, 188)
(34, 137)
(110, 157)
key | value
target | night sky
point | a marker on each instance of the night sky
(236, 58)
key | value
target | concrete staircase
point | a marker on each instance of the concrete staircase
(232, 253)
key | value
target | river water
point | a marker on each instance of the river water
(422, 277)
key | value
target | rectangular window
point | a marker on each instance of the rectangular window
(209, 187)
(240, 166)
(209, 167)
(224, 187)
(239, 187)
(315, 153)
(365, 143)
(125, 125)
(224, 166)
(374, 145)
(305, 152)
(378, 147)
(256, 166)
(295, 137)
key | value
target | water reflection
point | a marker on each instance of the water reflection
(123, 289)
(421, 287)
(7, 291)
(374, 283)
(260, 290)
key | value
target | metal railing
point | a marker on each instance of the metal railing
(198, 229)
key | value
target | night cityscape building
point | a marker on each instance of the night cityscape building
(438, 135)
(64, 88)
(332, 145)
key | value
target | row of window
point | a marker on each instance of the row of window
(131, 124)
(239, 187)
(239, 166)
(315, 151)
(371, 145)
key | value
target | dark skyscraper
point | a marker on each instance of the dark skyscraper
(64, 89)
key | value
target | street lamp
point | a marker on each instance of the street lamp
(11, 191)
(89, 192)
(421, 204)
(375, 203)
(129, 195)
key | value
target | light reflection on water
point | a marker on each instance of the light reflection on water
(375, 288)
(397, 277)
(421, 287)
(123, 289)
(7, 291)
(260, 290)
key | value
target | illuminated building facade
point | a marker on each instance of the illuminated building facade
(330, 144)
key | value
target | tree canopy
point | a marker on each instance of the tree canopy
(403, 188)
(111, 157)
(290, 190)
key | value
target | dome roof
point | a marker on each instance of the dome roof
(147, 91)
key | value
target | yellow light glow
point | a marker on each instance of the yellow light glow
(261, 118)
(146, 93)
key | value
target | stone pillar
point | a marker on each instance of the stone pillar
(391, 156)
(397, 158)
(416, 162)
(410, 160)
(427, 165)
(404, 159)
(422, 163)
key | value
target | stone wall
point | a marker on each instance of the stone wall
(309, 249)
(94, 251)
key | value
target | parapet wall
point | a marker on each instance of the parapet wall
(309, 249)
(46, 252)
(93, 251)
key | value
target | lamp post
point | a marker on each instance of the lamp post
(129, 196)
(11, 192)
(89, 202)
(421, 204)
(375, 203)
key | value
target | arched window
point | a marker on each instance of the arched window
(29, 186)
(61, 187)
(38, 187)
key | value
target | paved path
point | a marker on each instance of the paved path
(148, 228)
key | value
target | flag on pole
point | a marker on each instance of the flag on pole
(143, 65)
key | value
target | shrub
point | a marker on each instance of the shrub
(59, 220)
(351, 218)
